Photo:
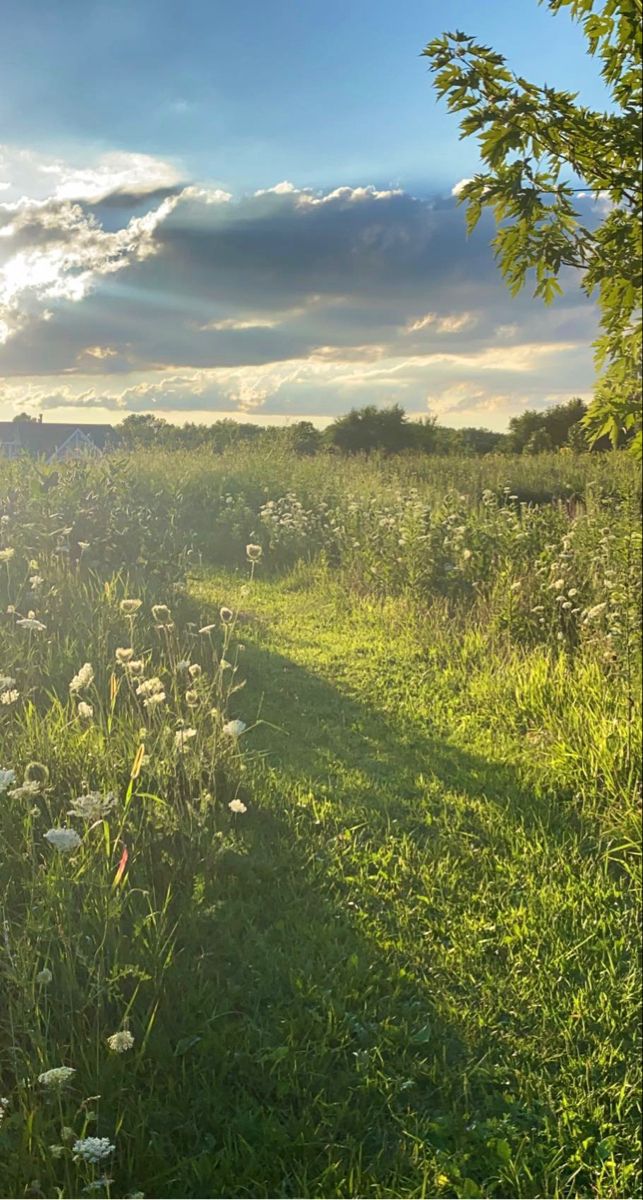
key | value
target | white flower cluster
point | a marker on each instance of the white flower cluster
(121, 1041)
(93, 1149)
(56, 1076)
(83, 679)
(94, 806)
(64, 840)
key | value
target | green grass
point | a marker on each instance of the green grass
(409, 967)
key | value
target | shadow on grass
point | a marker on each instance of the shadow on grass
(315, 1040)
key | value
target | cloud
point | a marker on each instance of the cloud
(183, 297)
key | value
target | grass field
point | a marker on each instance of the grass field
(383, 940)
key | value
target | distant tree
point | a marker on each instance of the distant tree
(366, 429)
(562, 418)
(523, 427)
(538, 442)
(24, 419)
(141, 430)
(531, 137)
(304, 438)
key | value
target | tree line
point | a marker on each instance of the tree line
(370, 430)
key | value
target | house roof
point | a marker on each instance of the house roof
(44, 438)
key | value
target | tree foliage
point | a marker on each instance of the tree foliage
(537, 143)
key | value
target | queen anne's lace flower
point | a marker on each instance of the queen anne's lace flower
(64, 840)
(149, 687)
(83, 679)
(44, 977)
(237, 806)
(7, 777)
(9, 697)
(93, 1149)
(234, 728)
(7, 554)
(254, 552)
(85, 711)
(93, 806)
(31, 623)
(182, 737)
(129, 607)
(121, 1041)
(161, 614)
(56, 1076)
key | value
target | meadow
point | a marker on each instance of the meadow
(320, 826)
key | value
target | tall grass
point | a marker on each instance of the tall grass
(124, 715)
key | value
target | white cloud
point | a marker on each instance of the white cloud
(37, 175)
(458, 187)
(449, 323)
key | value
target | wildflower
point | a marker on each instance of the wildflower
(567, 604)
(192, 698)
(56, 1150)
(237, 806)
(6, 681)
(155, 700)
(149, 687)
(4, 1104)
(102, 1181)
(207, 629)
(85, 711)
(26, 790)
(83, 679)
(161, 614)
(94, 806)
(56, 1076)
(124, 654)
(596, 611)
(84, 545)
(253, 552)
(7, 554)
(182, 737)
(135, 667)
(37, 772)
(44, 977)
(182, 666)
(65, 840)
(226, 614)
(234, 728)
(558, 584)
(121, 1041)
(36, 581)
(195, 671)
(7, 777)
(93, 1149)
(30, 623)
(467, 554)
(572, 592)
(129, 607)
(9, 697)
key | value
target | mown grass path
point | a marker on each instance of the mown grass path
(424, 957)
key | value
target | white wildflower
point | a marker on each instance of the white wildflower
(65, 840)
(253, 552)
(161, 614)
(30, 623)
(149, 687)
(56, 1076)
(195, 671)
(226, 614)
(36, 581)
(192, 698)
(26, 790)
(6, 681)
(44, 977)
(558, 584)
(182, 737)
(85, 711)
(7, 554)
(83, 679)
(121, 1041)
(225, 665)
(93, 1149)
(4, 1104)
(234, 728)
(129, 607)
(56, 1150)
(237, 806)
(9, 697)
(7, 778)
(155, 700)
(207, 628)
(596, 611)
(135, 667)
(94, 806)
(124, 654)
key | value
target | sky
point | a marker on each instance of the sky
(247, 209)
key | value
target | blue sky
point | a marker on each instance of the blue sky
(246, 207)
